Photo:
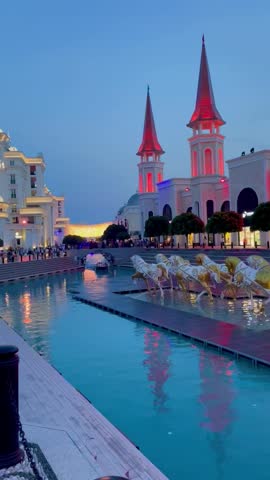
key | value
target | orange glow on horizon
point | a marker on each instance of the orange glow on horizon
(87, 231)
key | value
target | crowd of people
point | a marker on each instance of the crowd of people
(20, 254)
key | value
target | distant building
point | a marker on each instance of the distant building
(207, 190)
(30, 215)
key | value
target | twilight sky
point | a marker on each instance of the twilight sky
(74, 77)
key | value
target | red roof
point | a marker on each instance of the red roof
(150, 143)
(205, 109)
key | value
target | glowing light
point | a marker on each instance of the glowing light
(87, 231)
(159, 177)
(25, 301)
(222, 180)
(247, 214)
(220, 162)
(24, 222)
(208, 162)
(194, 167)
(187, 189)
(150, 186)
(140, 183)
(89, 275)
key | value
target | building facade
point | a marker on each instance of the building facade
(30, 215)
(207, 190)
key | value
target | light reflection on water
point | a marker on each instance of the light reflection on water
(189, 409)
(237, 312)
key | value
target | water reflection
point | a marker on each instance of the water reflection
(238, 312)
(157, 351)
(32, 306)
(25, 301)
(216, 397)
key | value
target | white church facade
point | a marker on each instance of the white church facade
(208, 189)
(30, 215)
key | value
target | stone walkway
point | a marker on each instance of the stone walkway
(78, 442)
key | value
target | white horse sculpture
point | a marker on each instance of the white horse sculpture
(254, 281)
(149, 271)
(257, 262)
(219, 271)
(184, 272)
(171, 264)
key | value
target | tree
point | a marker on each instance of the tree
(1, 242)
(156, 225)
(123, 236)
(187, 223)
(73, 240)
(225, 222)
(112, 231)
(260, 219)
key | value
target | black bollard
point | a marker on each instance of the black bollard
(10, 453)
(268, 244)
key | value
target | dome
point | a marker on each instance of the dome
(120, 211)
(133, 200)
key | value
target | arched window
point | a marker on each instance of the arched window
(140, 183)
(150, 214)
(208, 162)
(209, 208)
(197, 208)
(150, 186)
(247, 200)
(194, 167)
(225, 207)
(159, 177)
(167, 212)
(220, 162)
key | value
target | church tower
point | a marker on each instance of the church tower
(150, 167)
(206, 143)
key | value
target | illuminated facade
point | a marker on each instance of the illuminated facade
(30, 215)
(207, 190)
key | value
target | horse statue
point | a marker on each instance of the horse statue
(219, 271)
(185, 272)
(171, 264)
(149, 271)
(257, 262)
(254, 281)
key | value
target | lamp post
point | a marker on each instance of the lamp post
(10, 453)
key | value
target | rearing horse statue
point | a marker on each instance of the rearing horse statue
(255, 281)
(149, 271)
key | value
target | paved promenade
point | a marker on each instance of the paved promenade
(78, 442)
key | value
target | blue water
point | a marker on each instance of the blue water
(193, 412)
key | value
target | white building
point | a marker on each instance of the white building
(30, 215)
(207, 190)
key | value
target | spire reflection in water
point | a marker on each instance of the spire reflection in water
(157, 351)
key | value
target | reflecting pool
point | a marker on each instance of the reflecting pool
(193, 412)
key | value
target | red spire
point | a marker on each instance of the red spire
(205, 108)
(150, 144)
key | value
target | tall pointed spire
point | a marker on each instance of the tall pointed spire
(205, 109)
(150, 144)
